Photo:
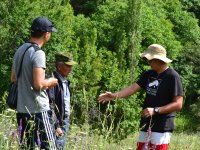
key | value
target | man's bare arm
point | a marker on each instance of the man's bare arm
(108, 96)
(39, 81)
(13, 76)
(175, 105)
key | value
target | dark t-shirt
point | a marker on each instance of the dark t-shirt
(160, 90)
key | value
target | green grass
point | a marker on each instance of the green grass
(85, 139)
(182, 141)
(81, 139)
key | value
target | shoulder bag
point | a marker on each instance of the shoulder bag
(11, 100)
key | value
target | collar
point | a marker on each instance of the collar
(62, 79)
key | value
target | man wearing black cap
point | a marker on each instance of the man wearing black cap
(33, 111)
(60, 97)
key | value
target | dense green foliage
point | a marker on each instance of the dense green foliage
(106, 37)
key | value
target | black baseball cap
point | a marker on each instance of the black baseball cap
(42, 24)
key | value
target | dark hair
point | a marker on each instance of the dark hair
(37, 34)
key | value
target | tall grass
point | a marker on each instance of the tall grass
(82, 138)
(8, 133)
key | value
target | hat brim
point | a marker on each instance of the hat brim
(71, 63)
(54, 29)
(150, 57)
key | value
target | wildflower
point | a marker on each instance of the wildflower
(148, 138)
(149, 132)
(38, 139)
(20, 131)
(146, 145)
(20, 126)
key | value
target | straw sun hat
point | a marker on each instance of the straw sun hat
(156, 51)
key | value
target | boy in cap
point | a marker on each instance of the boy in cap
(164, 96)
(33, 101)
(60, 97)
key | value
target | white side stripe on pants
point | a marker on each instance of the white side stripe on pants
(49, 131)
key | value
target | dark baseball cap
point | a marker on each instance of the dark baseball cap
(42, 24)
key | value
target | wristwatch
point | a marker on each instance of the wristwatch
(156, 110)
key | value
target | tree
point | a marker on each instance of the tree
(86, 7)
(192, 6)
(16, 18)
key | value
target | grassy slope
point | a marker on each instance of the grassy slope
(79, 138)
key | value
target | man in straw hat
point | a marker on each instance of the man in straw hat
(60, 97)
(164, 96)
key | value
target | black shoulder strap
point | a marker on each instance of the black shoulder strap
(36, 47)
(20, 67)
